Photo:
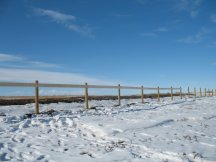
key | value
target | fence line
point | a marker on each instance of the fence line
(36, 85)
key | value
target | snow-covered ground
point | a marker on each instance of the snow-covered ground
(180, 130)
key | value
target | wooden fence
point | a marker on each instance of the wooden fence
(86, 86)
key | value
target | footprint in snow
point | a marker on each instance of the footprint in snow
(41, 157)
(1, 145)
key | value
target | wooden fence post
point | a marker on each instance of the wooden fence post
(181, 92)
(195, 92)
(86, 96)
(171, 93)
(37, 97)
(205, 92)
(212, 92)
(142, 94)
(200, 92)
(119, 95)
(188, 91)
(158, 89)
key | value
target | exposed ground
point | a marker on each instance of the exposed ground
(22, 100)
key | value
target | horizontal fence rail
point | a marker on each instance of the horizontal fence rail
(8, 84)
(195, 92)
(61, 85)
(14, 84)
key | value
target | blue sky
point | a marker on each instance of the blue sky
(132, 42)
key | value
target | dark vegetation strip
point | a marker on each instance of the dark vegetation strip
(67, 99)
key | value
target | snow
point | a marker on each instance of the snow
(167, 131)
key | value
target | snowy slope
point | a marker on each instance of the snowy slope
(179, 131)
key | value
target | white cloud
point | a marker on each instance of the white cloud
(213, 18)
(43, 64)
(9, 58)
(161, 29)
(193, 14)
(69, 21)
(189, 39)
(154, 33)
(212, 44)
(55, 15)
(84, 30)
(197, 38)
(26, 75)
(190, 6)
(19, 69)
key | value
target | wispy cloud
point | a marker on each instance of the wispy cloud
(69, 21)
(55, 15)
(26, 75)
(193, 14)
(20, 69)
(190, 6)
(154, 33)
(212, 44)
(84, 30)
(213, 18)
(197, 38)
(9, 58)
(161, 29)
(43, 64)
